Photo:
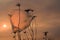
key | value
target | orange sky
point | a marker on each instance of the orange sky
(47, 12)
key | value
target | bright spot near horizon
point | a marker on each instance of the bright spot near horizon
(4, 25)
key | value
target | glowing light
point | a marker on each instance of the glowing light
(4, 25)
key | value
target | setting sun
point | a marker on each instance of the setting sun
(4, 25)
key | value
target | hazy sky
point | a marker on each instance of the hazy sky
(47, 12)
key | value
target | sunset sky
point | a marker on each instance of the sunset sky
(47, 12)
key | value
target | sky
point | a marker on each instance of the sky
(47, 12)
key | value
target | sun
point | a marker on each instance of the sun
(4, 25)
